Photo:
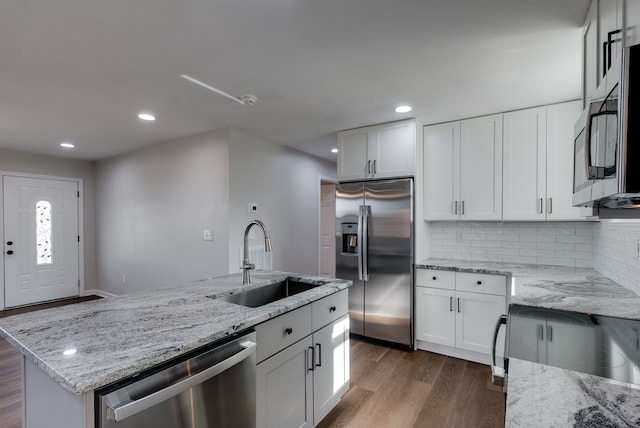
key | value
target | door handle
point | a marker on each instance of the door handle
(313, 358)
(451, 304)
(374, 167)
(458, 305)
(550, 207)
(455, 207)
(9, 242)
(10, 252)
(365, 242)
(368, 167)
(361, 248)
(462, 207)
(540, 210)
(496, 378)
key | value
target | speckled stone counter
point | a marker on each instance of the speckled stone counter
(119, 336)
(555, 287)
(543, 396)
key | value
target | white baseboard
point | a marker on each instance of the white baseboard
(96, 292)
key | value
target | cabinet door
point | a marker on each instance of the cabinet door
(560, 123)
(352, 154)
(435, 316)
(284, 388)
(609, 19)
(525, 164)
(331, 370)
(392, 150)
(441, 170)
(571, 345)
(633, 22)
(590, 53)
(481, 168)
(476, 316)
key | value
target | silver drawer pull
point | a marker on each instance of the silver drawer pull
(288, 330)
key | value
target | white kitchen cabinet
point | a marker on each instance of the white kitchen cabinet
(284, 385)
(331, 367)
(380, 151)
(435, 316)
(538, 154)
(463, 170)
(604, 18)
(301, 375)
(456, 313)
(633, 22)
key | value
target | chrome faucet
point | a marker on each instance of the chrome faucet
(246, 264)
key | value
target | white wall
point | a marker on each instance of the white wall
(153, 206)
(15, 161)
(285, 184)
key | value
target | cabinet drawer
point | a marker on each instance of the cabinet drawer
(481, 283)
(436, 278)
(329, 309)
(276, 334)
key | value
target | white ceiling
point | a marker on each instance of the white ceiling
(81, 70)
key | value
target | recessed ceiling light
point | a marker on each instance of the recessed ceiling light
(67, 145)
(146, 116)
(334, 150)
(403, 109)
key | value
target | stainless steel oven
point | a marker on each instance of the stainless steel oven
(213, 387)
(598, 345)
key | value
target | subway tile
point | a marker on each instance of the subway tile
(520, 244)
(519, 259)
(556, 246)
(556, 261)
(575, 239)
(537, 253)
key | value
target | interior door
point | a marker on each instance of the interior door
(41, 240)
(327, 229)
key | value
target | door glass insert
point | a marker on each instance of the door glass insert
(43, 233)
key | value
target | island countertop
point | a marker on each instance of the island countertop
(555, 287)
(120, 336)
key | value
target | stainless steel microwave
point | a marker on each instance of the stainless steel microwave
(607, 139)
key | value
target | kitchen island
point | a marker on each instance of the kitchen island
(80, 348)
(541, 395)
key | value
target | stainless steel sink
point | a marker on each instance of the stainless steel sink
(269, 293)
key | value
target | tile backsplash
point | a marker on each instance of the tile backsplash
(617, 252)
(550, 243)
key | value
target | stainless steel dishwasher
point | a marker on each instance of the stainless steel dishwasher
(214, 388)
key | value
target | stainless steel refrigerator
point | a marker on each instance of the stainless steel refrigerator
(374, 249)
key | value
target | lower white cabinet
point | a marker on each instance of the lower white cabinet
(298, 384)
(456, 313)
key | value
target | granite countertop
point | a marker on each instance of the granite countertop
(119, 336)
(544, 396)
(555, 287)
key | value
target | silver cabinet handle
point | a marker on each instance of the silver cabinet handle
(458, 305)
(550, 206)
(540, 328)
(319, 348)
(368, 167)
(374, 167)
(119, 413)
(451, 304)
(455, 207)
(540, 202)
(497, 379)
(462, 207)
(313, 359)
(550, 333)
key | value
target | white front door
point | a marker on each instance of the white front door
(41, 240)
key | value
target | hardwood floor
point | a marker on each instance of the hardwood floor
(11, 367)
(395, 388)
(389, 388)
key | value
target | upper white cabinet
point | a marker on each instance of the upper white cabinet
(602, 38)
(538, 159)
(463, 169)
(633, 22)
(381, 151)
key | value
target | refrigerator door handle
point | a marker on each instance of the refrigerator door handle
(360, 242)
(365, 243)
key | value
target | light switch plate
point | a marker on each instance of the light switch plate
(207, 235)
